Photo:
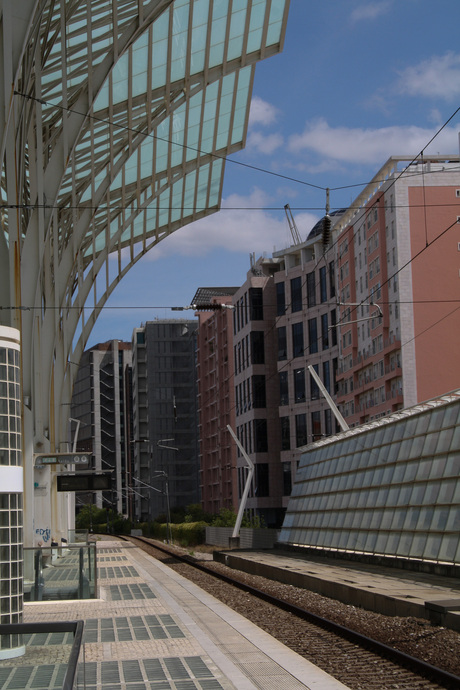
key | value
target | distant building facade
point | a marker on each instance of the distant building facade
(257, 391)
(100, 411)
(165, 417)
(398, 276)
(306, 335)
(216, 399)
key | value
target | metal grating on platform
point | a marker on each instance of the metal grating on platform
(138, 628)
(45, 677)
(174, 673)
(117, 572)
(129, 592)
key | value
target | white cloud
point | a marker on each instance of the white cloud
(264, 143)
(437, 77)
(262, 112)
(243, 225)
(369, 146)
(370, 10)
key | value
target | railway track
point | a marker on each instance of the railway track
(355, 659)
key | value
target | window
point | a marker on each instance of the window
(333, 327)
(323, 284)
(296, 294)
(257, 347)
(332, 278)
(260, 436)
(287, 479)
(256, 304)
(325, 331)
(327, 376)
(316, 425)
(285, 433)
(299, 385)
(328, 422)
(300, 430)
(312, 336)
(259, 398)
(261, 477)
(311, 289)
(297, 339)
(314, 389)
(284, 388)
(280, 299)
(282, 344)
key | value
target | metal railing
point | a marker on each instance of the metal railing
(54, 573)
(76, 627)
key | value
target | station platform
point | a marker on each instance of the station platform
(390, 591)
(151, 629)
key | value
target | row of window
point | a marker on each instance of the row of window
(249, 350)
(327, 338)
(253, 436)
(248, 308)
(326, 285)
(302, 437)
(299, 382)
(251, 393)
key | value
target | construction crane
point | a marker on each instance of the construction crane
(292, 226)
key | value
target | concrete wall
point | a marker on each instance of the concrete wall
(249, 538)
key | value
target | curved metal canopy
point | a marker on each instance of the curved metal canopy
(115, 134)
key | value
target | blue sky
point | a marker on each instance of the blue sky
(357, 82)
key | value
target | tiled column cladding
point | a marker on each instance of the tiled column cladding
(11, 492)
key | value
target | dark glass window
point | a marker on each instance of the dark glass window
(327, 375)
(285, 433)
(284, 388)
(260, 436)
(333, 327)
(296, 294)
(311, 289)
(259, 398)
(312, 336)
(325, 331)
(314, 389)
(297, 339)
(282, 343)
(335, 366)
(316, 425)
(257, 347)
(287, 479)
(328, 422)
(300, 430)
(256, 304)
(140, 337)
(299, 385)
(332, 279)
(323, 284)
(262, 483)
(280, 299)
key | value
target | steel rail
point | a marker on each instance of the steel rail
(422, 668)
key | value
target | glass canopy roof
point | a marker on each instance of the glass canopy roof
(138, 104)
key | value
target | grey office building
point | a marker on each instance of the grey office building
(165, 418)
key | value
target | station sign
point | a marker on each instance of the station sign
(62, 458)
(84, 482)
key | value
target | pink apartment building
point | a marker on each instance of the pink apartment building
(216, 400)
(398, 270)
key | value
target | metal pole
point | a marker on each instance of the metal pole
(244, 498)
